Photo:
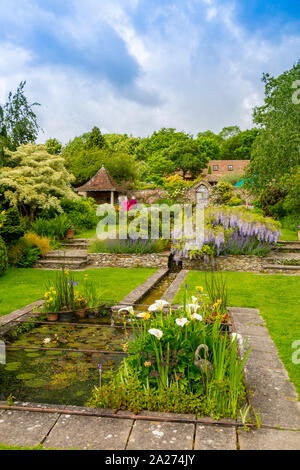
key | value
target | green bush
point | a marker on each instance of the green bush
(3, 257)
(235, 201)
(29, 258)
(222, 193)
(12, 228)
(81, 213)
(54, 228)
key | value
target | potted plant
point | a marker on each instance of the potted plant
(70, 233)
(81, 305)
(66, 315)
(50, 305)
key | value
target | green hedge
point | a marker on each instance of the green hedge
(3, 257)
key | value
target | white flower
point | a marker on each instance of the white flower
(194, 299)
(47, 340)
(153, 308)
(181, 321)
(127, 309)
(237, 337)
(196, 316)
(155, 332)
(192, 308)
(162, 303)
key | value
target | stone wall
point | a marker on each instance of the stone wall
(227, 263)
(114, 260)
(145, 196)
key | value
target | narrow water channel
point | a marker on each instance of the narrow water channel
(156, 293)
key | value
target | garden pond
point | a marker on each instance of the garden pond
(59, 364)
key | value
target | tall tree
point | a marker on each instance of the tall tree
(277, 147)
(18, 121)
(95, 139)
(53, 146)
(37, 180)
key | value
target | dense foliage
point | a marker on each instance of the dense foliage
(178, 361)
(3, 257)
(37, 181)
(18, 121)
(276, 157)
(230, 231)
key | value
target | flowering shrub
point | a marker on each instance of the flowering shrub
(183, 355)
(231, 231)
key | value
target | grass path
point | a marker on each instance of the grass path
(278, 299)
(20, 287)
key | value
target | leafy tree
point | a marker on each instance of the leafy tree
(211, 135)
(187, 156)
(53, 146)
(160, 141)
(276, 148)
(95, 139)
(123, 143)
(239, 146)
(290, 183)
(18, 121)
(160, 165)
(229, 131)
(37, 180)
(209, 147)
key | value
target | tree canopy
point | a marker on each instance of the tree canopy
(37, 180)
(18, 121)
(276, 148)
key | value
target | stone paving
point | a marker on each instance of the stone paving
(270, 392)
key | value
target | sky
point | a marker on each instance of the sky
(134, 66)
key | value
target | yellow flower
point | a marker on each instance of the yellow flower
(147, 364)
(125, 347)
(51, 299)
(199, 288)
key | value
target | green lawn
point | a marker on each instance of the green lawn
(20, 287)
(288, 235)
(277, 298)
(87, 234)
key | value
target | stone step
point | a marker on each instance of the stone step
(282, 267)
(78, 255)
(74, 245)
(283, 242)
(58, 264)
(293, 248)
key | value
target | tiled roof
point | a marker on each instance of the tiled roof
(102, 181)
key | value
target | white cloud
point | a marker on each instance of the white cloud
(194, 75)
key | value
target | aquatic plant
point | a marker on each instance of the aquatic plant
(184, 355)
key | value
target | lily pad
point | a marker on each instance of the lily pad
(11, 366)
(25, 376)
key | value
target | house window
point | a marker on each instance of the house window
(230, 167)
(215, 167)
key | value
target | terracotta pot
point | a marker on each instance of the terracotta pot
(299, 235)
(81, 313)
(52, 316)
(70, 233)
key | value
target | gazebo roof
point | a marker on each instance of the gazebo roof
(102, 181)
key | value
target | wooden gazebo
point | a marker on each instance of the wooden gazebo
(101, 187)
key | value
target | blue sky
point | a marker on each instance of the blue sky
(137, 65)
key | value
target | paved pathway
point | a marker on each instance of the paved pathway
(81, 428)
